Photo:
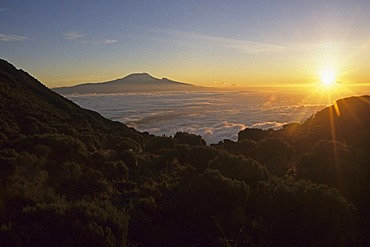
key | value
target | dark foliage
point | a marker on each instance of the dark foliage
(190, 139)
(304, 214)
(240, 168)
(275, 154)
(253, 134)
(67, 224)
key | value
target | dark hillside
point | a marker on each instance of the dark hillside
(31, 97)
(347, 121)
(28, 107)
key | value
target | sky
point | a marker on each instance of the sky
(210, 43)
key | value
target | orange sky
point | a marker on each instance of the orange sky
(245, 43)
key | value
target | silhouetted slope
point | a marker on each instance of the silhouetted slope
(23, 99)
(139, 82)
(347, 120)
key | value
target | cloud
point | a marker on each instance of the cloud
(3, 9)
(72, 35)
(220, 84)
(222, 131)
(213, 115)
(79, 35)
(268, 125)
(213, 133)
(244, 46)
(101, 42)
(109, 41)
(11, 37)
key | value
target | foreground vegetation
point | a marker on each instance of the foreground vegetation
(69, 177)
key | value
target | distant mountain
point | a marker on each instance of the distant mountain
(138, 82)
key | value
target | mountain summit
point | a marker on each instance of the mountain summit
(137, 82)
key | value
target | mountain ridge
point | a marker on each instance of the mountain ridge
(135, 82)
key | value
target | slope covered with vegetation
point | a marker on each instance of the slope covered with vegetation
(69, 177)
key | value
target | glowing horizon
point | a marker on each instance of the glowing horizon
(251, 43)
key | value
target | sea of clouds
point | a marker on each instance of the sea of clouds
(213, 115)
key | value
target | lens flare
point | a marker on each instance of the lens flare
(327, 78)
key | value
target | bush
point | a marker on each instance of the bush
(340, 166)
(197, 212)
(160, 142)
(200, 156)
(190, 139)
(67, 224)
(275, 154)
(253, 134)
(304, 214)
(239, 167)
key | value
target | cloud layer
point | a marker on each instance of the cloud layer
(213, 115)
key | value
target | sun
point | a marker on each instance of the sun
(328, 78)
